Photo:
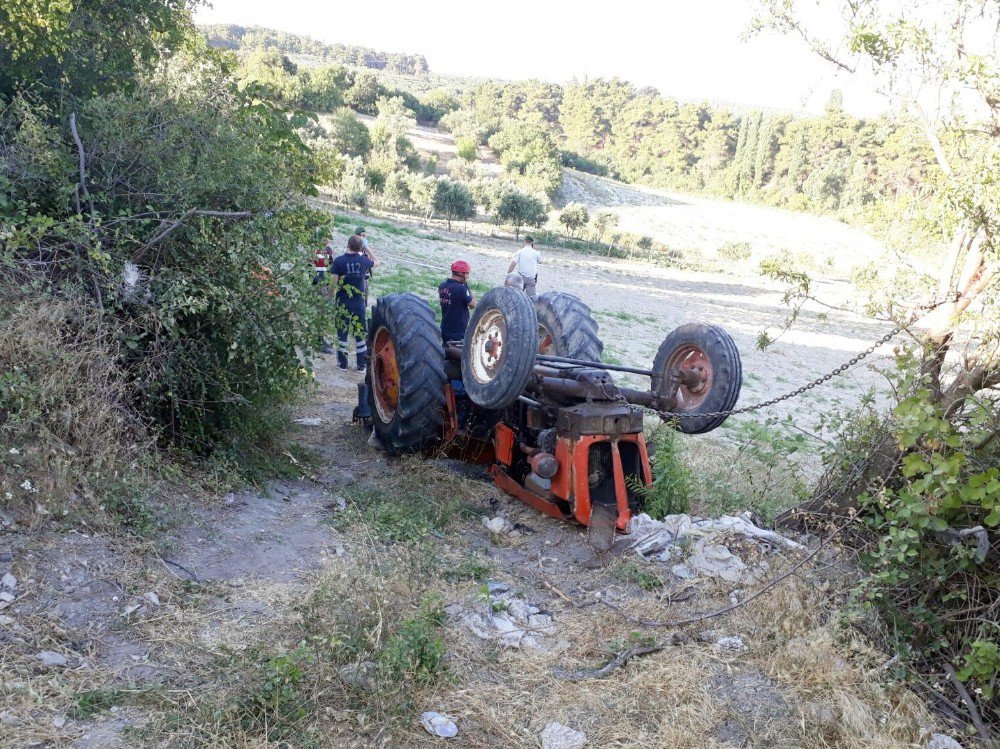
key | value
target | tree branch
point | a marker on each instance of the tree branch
(83, 164)
(141, 252)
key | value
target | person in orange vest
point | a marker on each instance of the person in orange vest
(322, 260)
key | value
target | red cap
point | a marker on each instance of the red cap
(460, 266)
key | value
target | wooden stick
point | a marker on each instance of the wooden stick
(600, 673)
(558, 592)
(977, 719)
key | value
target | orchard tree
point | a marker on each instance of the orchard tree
(453, 200)
(517, 208)
(603, 221)
(350, 136)
(574, 217)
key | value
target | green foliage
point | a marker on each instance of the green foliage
(633, 572)
(466, 149)
(57, 47)
(574, 217)
(94, 701)
(735, 251)
(517, 208)
(670, 492)
(276, 703)
(187, 236)
(416, 652)
(926, 571)
(453, 200)
(230, 36)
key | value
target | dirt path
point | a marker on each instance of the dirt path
(295, 603)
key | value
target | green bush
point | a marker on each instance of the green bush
(933, 579)
(670, 492)
(186, 237)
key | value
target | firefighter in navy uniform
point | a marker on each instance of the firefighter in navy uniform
(456, 301)
(349, 272)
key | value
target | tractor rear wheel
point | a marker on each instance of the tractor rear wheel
(567, 328)
(710, 361)
(405, 373)
(500, 347)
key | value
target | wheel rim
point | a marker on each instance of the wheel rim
(546, 341)
(695, 369)
(385, 375)
(487, 346)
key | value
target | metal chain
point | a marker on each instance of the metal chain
(798, 391)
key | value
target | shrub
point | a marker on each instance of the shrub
(735, 251)
(670, 492)
(466, 149)
(184, 239)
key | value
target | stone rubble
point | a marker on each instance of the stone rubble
(708, 556)
(558, 736)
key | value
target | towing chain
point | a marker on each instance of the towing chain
(667, 415)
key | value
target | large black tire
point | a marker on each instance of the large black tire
(403, 336)
(500, 347)
(711, 348)
(566, 327)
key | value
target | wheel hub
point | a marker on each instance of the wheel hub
(385, 375)
(488, 346)
(692, 369)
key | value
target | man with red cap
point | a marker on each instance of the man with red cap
(456, 301)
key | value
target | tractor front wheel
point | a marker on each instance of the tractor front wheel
(500, 347)
(707, 362)
(405, 373)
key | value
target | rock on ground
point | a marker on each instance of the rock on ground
(558, 736)
(437, 724)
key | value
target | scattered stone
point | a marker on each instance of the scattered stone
(340, 503)
(7, 597)
(497, 525)
(59, 722)
(131, 609)
(309, 422)
(152, 598)
(229, 499)
(732, 644)
(682, 571)
(496, 588)
(9, 582)
(558, 736)
(51, 658)
(7, 621)
(6, 556)
(360, 675)
(9, 719)
(821, 715)
(437, 724)
(940, 741)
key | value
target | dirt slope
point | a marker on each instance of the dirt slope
(232, 626)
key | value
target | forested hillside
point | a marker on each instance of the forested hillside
(859, 170)
(230, 36)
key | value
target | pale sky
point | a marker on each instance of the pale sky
(688, 49)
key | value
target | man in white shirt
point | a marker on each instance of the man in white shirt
(526, 262)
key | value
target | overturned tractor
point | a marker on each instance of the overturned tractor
(526, 394)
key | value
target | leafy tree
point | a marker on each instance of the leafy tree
(323, 88)
(84, 47)
(574, 217)
(465, 149)
(349, 134)
(364, 93)
(604, 221)
(453, 200)
(275, 76)
(517, 208)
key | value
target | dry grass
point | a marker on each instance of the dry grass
(64, 421)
